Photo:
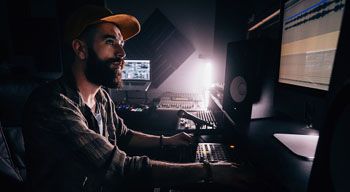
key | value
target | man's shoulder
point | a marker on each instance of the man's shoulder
(50, 93)
(105, 95)
(46, 91)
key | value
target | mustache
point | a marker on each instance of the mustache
(116, 59)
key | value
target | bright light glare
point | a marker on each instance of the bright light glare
(206, 81)
(207, 75)
(206, 100)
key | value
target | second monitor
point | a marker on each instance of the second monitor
(136, 75)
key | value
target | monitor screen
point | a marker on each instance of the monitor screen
(309, 40)
(137, 70)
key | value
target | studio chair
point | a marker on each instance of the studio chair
(10, 177)
(13, 95)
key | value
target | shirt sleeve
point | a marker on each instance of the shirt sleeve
(94, 153)
(119, 133)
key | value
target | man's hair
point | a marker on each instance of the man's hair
(89, 33)
(87, 36)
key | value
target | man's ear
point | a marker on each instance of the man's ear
(80, 49)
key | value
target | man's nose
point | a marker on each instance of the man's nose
(120, 52)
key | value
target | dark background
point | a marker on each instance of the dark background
(31, 47)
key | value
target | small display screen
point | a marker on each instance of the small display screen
(137, 70)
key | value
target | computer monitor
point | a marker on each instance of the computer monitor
(137, 70)
(309, 45)
(309, 41)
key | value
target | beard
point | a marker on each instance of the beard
(100, 72)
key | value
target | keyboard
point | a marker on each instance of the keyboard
(212, 152)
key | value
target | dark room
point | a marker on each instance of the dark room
(174, 96)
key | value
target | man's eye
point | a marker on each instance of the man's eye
(110, 42)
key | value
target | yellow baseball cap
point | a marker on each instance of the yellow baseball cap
(87, 15)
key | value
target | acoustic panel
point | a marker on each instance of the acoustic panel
(160, 42)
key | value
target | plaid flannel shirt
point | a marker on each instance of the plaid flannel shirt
(66, 152)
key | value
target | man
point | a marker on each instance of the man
(72, 133)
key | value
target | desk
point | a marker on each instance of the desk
(273, 158)
(283, 170)
(258, 145)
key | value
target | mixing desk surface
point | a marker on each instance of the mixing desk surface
(212, 152)
(186, 124)
(176, 101)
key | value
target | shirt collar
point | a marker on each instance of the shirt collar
(69, 85)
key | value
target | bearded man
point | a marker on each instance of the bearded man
(73, 135)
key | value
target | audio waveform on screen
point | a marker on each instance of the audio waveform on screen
(319, 11)
(320, 5)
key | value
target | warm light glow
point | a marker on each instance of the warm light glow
(206, 80)
(206, 99)
(264, 20)
(203, 75)
(207, 75)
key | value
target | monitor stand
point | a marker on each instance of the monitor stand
(301, 145)
(129, 86)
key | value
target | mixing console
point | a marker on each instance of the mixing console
(186, 124)
(186, 101)
(212, 152)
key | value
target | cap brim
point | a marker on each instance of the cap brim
(128, 25)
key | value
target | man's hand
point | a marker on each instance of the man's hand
(180, 139)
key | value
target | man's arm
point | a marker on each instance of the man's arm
(224, 173)
(142, 140)
(170, 174)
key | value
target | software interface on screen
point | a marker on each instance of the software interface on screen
(136, 70)
(309, 40)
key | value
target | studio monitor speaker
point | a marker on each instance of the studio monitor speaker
(241, 80)
(330, 170)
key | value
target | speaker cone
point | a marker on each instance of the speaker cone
(238, 89)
